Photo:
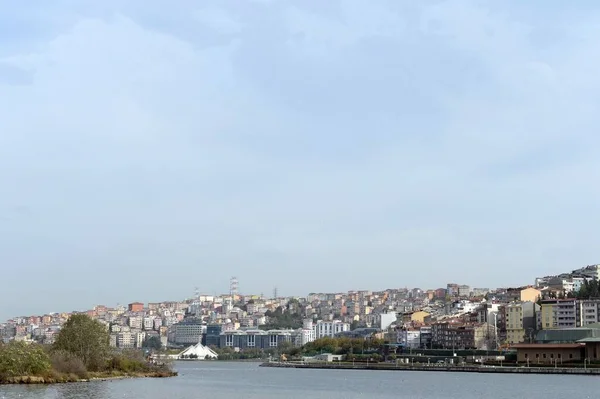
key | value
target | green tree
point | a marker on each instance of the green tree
(152, 343)
(85, 338)
(20, 359)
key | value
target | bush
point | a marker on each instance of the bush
(22, 359)
(68, 363)
(132, 362)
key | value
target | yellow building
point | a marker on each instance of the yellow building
(530, 295)
(419, 316)
(559, 313)
(548, 312)
(515, 331)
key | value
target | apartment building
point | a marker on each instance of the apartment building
(589, 312)
(559, 313)
(136, 322)
(455, 335)
(136, 307)
(126, 340)
(521, 321)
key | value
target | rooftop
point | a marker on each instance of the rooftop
(548, 346)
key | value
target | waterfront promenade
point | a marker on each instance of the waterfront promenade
(438, 368)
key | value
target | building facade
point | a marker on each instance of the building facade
(186, 332)
(330, 328)
(255, 339)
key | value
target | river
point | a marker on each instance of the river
(248, 381)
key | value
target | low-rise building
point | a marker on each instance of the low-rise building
(550, 353)
(330, 328)
(255, 339)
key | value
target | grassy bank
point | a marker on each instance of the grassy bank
(61, 378)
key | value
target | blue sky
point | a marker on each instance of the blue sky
(149, 147)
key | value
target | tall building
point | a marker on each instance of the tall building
(213, 335)
(187, 332)
(589, 312)
(464, 291)
(521, 322)
(559, 313)
(452, 289)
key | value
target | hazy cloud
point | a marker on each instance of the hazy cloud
(305, 144)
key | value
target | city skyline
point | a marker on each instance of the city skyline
(147, 149)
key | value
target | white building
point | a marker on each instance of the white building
(126, 340)
(308, 332)
(409, 338)
(136, 322)
(386, 320)
(140, 337)
(197, 351)
(330, 328)
(148, 323)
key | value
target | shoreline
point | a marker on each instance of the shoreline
(70, 379)
(432, 368)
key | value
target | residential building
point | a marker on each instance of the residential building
(308, 332)
(136, 322)
(419, 316)
(452, 289)
(454, 335)
(136, 307)
(521, 321)
(464, 291)
(530, 294)
(559, 313)
(589, 312)
(126, 340)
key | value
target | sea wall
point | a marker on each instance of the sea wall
(433, 368)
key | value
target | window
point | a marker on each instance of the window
(537, 355)
(552, 356)
(544, 355)
(229, 340)
(272, 340)
(251, 340)
(570, 356)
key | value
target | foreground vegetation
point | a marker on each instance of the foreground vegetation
(81, 352)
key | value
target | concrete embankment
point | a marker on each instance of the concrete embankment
(439, 368)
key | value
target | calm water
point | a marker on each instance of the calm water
(247, 380)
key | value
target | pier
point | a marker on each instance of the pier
(433, 368)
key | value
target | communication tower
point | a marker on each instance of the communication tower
(233, 287)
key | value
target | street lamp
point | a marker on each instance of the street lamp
(496, 328)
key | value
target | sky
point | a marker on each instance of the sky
(151, 147)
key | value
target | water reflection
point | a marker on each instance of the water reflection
(81, 390)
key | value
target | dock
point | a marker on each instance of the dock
(435, 368)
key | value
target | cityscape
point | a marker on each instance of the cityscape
(453, 317)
